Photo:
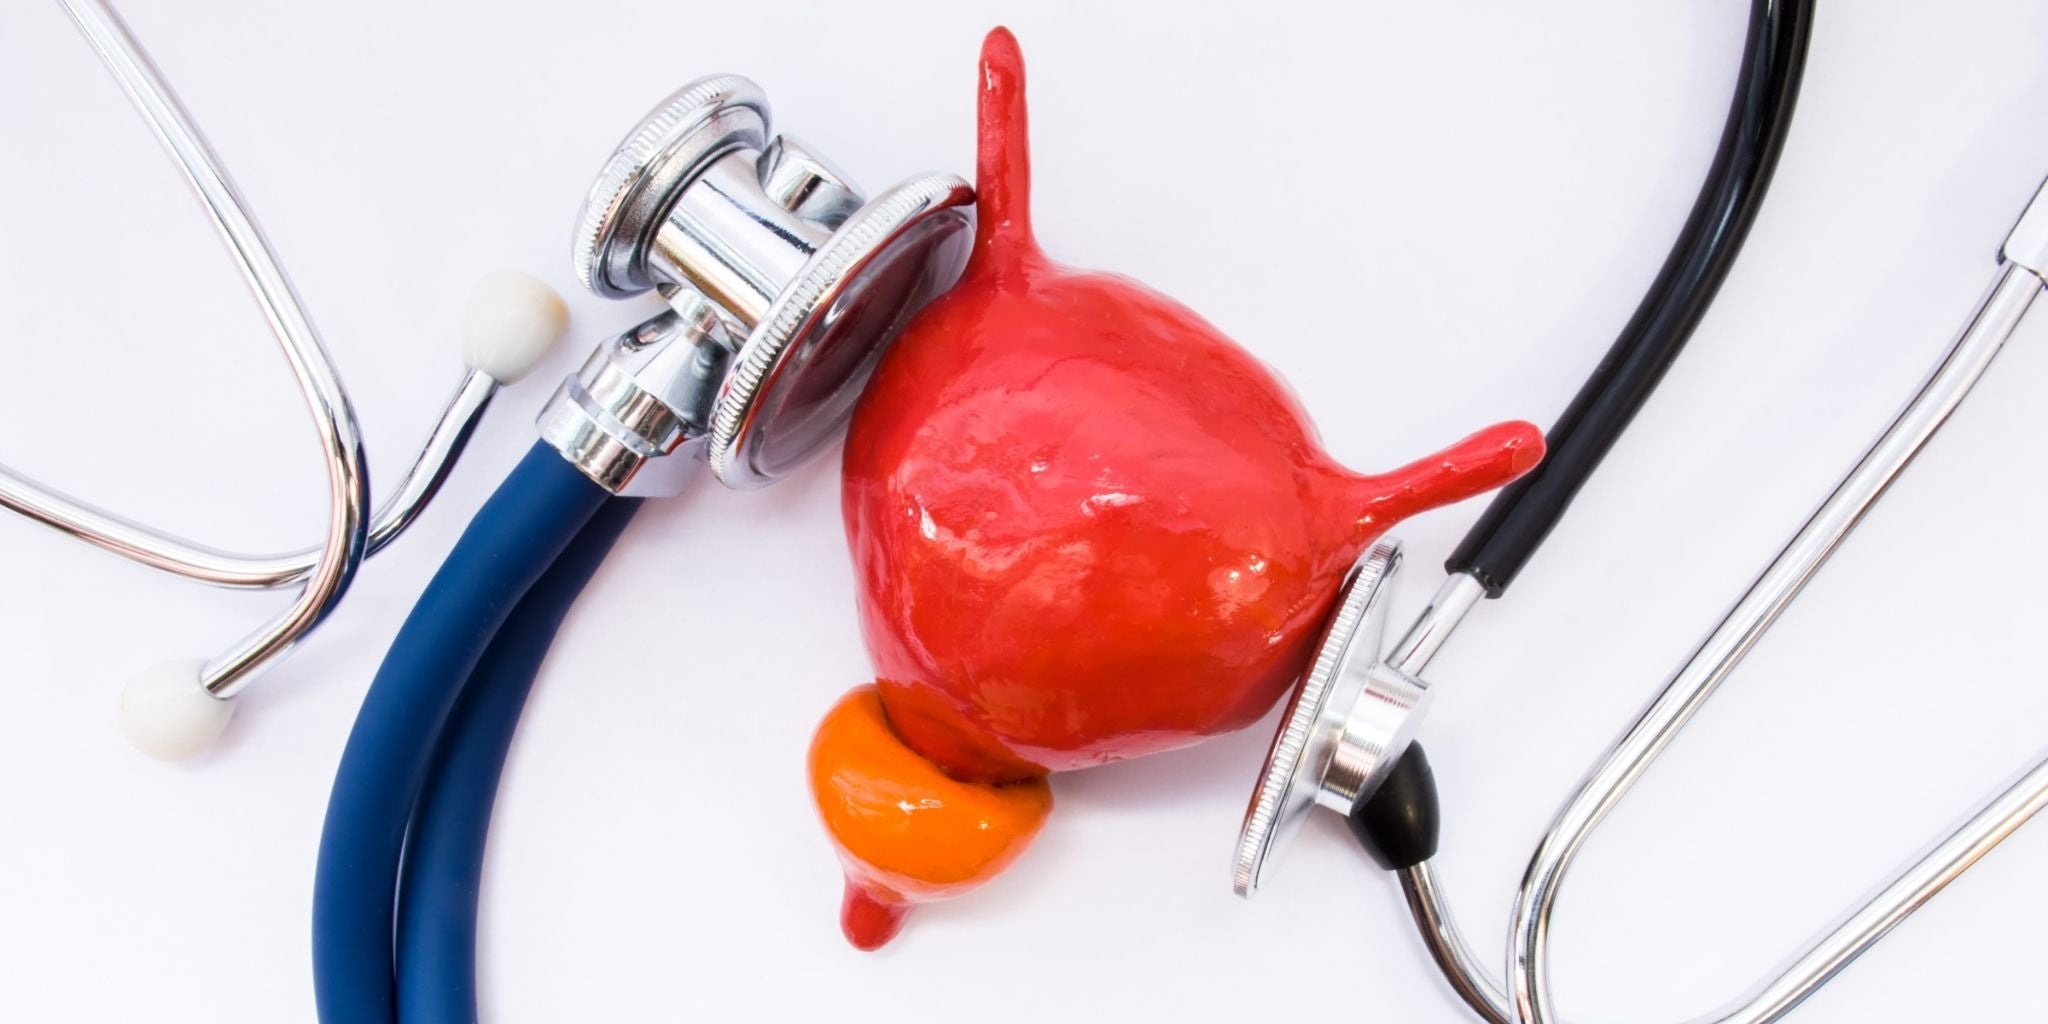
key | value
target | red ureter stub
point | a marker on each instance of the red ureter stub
(1003, 155)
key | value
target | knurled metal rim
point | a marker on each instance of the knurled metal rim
(664, 151)
(839, 261)
(1303, 745)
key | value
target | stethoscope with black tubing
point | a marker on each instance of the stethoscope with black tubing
(783, 284)
(1346, 742)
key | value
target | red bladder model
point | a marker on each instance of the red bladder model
(1085, 526)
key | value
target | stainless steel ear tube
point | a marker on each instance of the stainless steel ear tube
(348, 492)
(143, 544)
(1327, 750)
(2023, 266)
(1346, 741)
(352, 532)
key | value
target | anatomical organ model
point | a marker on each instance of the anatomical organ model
(1085, 527)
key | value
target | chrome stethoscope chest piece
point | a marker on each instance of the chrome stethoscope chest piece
(784, 284)
(1349, 720)
(769, 255)
(663, 154)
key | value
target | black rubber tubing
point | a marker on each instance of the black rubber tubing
(1398, 823)
(1518, 520)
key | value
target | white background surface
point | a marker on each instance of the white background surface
(1427, 216)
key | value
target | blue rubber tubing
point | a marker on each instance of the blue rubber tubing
(513, 540)
(441, 874)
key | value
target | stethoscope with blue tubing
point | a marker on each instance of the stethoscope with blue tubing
(784, 283)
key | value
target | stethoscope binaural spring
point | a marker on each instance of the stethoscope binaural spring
(178, 708)
(1346, 742)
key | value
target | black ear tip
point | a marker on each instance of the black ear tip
(1397, 825)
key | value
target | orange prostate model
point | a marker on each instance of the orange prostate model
(1085, 527)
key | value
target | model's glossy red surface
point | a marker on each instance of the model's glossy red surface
(1085, 525)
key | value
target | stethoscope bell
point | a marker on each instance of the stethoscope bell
(785, 283)
(1348, 723)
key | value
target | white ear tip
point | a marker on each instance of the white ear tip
(168, 715)
(514, 319)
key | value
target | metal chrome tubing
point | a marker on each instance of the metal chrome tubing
(1960, 368)
(429, 470)
(340, 440)
(1471, 976)
(145, 545)
(1457, 595)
